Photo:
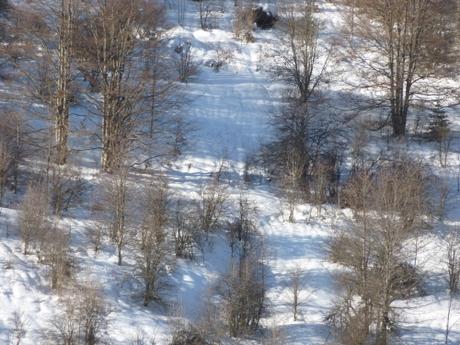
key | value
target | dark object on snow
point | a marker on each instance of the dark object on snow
(264, 19)
(188, 336)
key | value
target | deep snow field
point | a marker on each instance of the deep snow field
(230, 110)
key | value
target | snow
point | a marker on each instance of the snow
(230, 110)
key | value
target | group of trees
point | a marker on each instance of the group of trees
(399, 51)
(400, 48)
(109, 57)
(390, 206)
(105, 56)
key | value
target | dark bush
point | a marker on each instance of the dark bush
(264, 18)
(188, 336)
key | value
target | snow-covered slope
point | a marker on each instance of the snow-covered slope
(229, 110)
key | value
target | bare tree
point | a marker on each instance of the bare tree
(119, 208)
(244, 22)
(48, 29)
(292, 181)
(453, 262)
(153, 236)
(439, 130)
(19, 331)
(66, 187)
(390, 204)
(243, 228)
(295, 288)
(185, 227)
(245, 296)
(396, 46)
(63, 94)
(111, 41)
(185, 65)
(55, 254)
(181, 10)
(83, 319)
(212, 201)
(33, 217)
(300, 62)
(12, 151)
(208, 11)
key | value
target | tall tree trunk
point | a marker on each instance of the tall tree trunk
(62, 96)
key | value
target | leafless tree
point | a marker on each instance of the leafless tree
(295, 288)
(439, 130)
(18, 329)
(292, 181)
(397, 46)
(453, 262)
(110, 43)
(300, 62)
(209, 11)
(49, 29)
(212, 201)
(185, 65)
(66, 187)
(244, 22)
(153, 237)
(181, 10)
(185, 227)
(33, 217)
(55, 254)
(245, 296)
(243, 228)
(12, 151)
(115, 208)
(390, 203)
(83, 319)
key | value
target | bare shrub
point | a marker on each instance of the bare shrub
(244, 296)
(83, 319)
(274, 336)
(97, 229)
(12, 149)
(212, 202)
(186, 231)
(185, 65)
(244, 23)
(18, 328)
(292, 181)
(66, 187)
(453, 262)
(295, 288)
(55, 255)
(5, 166)
(349, 321)
(209, 11)
(390, 204)
(223, 56)
(153, 244)
(116, 208)
(33, 217)
(439, 131)
(140, 339)
(243, 227)
(188, 335)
